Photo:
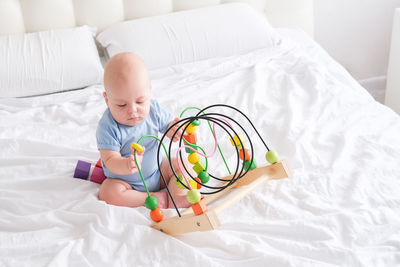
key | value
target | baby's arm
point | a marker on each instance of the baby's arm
(117, 164)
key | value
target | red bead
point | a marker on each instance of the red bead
(98, 164)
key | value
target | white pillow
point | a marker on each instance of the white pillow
(50, 61)
(190, 35)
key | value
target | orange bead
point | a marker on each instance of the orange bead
(246, 153)
(199, 208)
(191, 138)
(199, 181)
(157, 215)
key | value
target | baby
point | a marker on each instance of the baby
(131, 114)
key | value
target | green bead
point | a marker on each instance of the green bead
(199, 167)
(193, 196)
(177, 183)
(272, 157)
(247, 165)
(151, 203)
(204, 177)
(196, 122)
(189, 150)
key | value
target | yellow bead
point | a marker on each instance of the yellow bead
(191, 128)
(137, 147)
(193, 184)
(236, 138)
(193, 158)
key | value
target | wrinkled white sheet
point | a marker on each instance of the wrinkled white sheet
(340, 208)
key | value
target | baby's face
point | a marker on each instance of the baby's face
(128, 90)
(129, 106)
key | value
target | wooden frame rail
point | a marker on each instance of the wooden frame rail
(209, 220)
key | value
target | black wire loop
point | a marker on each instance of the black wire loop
(214, 118)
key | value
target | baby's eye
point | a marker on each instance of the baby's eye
(121, 106)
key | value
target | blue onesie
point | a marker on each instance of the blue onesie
(118, 137)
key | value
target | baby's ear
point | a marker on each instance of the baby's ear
(105, 97)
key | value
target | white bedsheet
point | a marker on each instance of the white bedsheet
(340, 208)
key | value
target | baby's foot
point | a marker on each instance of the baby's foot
(180, 201)
(162, 199)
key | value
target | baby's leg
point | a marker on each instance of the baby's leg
(178, 194)
(120, 193)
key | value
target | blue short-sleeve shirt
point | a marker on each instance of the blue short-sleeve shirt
(118, 137)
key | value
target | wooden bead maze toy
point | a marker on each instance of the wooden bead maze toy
(245, 178)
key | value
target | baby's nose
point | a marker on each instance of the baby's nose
(132, 108)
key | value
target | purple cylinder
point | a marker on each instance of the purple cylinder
(82, 170)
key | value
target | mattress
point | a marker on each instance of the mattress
(340, 207)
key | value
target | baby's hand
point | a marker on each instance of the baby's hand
(132, 168)
(173, 129)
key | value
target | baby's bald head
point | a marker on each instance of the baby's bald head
(127, 85)
(125, 71)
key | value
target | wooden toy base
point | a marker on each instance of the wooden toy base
(209, 220)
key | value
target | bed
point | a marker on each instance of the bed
(340, 207)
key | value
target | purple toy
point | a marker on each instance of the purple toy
(82, 170)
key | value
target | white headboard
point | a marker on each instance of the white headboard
(18, 16)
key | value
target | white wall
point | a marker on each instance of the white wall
(356, 33)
